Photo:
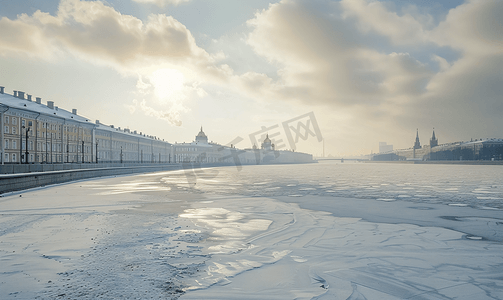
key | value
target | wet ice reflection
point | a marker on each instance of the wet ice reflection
(306, 254)
(228, 229)
(136, 185)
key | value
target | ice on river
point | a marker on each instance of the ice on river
(147, 237)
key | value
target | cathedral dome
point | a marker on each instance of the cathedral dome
(267, 144)
(201, 137)
(201, 133)
(267, 139)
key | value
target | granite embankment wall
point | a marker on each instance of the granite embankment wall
(31, 168)
(21, 177)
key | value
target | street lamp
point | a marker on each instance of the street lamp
(26, 143)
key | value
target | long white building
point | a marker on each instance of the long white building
(33, 132)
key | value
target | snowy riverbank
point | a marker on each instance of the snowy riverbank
(152, 236)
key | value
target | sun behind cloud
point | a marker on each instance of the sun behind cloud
(168, 83)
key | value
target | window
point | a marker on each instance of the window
(14, 158)
(6, 121)
(13, 130)
(14, 146)
(6, 157)
(23, 123)
(6, 129)
(6, 144)
(14, 122)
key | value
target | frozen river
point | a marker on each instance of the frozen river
(470, 185)
(314, 231)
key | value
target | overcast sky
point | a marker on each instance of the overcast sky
(371, 71)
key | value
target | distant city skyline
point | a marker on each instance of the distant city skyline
(370, 71)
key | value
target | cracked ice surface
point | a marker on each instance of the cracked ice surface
(156, 236)
(313, 255)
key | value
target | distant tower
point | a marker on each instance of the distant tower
(267, 144)
(417, 144)
(201, 137)
(434, 140)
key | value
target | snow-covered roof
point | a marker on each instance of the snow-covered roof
(30, 106)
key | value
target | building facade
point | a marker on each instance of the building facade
(33, 132)
(36, 133)
(481, 149)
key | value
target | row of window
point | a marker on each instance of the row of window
(49, 126)
(6, 130)
(6, 120)
(14, 157)
(189, 149)
(49, 134)
(105, 144)
(12, 145)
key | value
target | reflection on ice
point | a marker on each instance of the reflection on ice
(128, 187)
(229, 229)
(313, 255)
(243, 247)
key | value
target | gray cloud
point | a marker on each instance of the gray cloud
(329, 57)
(378, 71)
(96, 32)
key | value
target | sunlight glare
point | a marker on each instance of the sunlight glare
(167, 82)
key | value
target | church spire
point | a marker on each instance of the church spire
(417, 144)
(433, 140)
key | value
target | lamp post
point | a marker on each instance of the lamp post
(26, 142)
(82, 151)
(67, 149)
(121, 154)
(46, 145)
(96, 151)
